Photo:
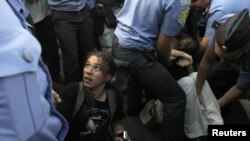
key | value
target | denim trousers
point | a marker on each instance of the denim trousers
(147, 73)
(76, 38)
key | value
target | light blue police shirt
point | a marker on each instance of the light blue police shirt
(67, 5)
(221, 10)
(21, 11)
(26, 111)
(141, 21)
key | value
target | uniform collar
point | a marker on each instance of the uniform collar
(20, 11)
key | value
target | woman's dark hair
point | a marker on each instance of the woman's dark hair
(108, 65)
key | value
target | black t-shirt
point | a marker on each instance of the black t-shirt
(86, 113)
(94, 121)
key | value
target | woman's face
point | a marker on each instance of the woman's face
(93, 74)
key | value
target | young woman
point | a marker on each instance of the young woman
(99, 114)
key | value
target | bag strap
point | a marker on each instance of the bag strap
(112, 100)
(79, 101)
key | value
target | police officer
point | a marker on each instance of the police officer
(145, 28)
(220, 72)
(27, 112)
(74, 29)
(44, 31)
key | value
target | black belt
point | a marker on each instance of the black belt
(73, 12)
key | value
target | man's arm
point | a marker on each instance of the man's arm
(205, 66)
(231, 95)
(203, 46)
(163, 48)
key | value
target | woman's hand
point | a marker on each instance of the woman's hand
(56, 98)
(118, 139)
(184, 58)
(184, 62)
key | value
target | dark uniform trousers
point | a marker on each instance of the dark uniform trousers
(154, 77)
(75, 33)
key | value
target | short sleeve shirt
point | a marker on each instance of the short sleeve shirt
(141, 21)
(67, 5)
(221, 10)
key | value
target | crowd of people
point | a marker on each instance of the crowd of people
(158, 44)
